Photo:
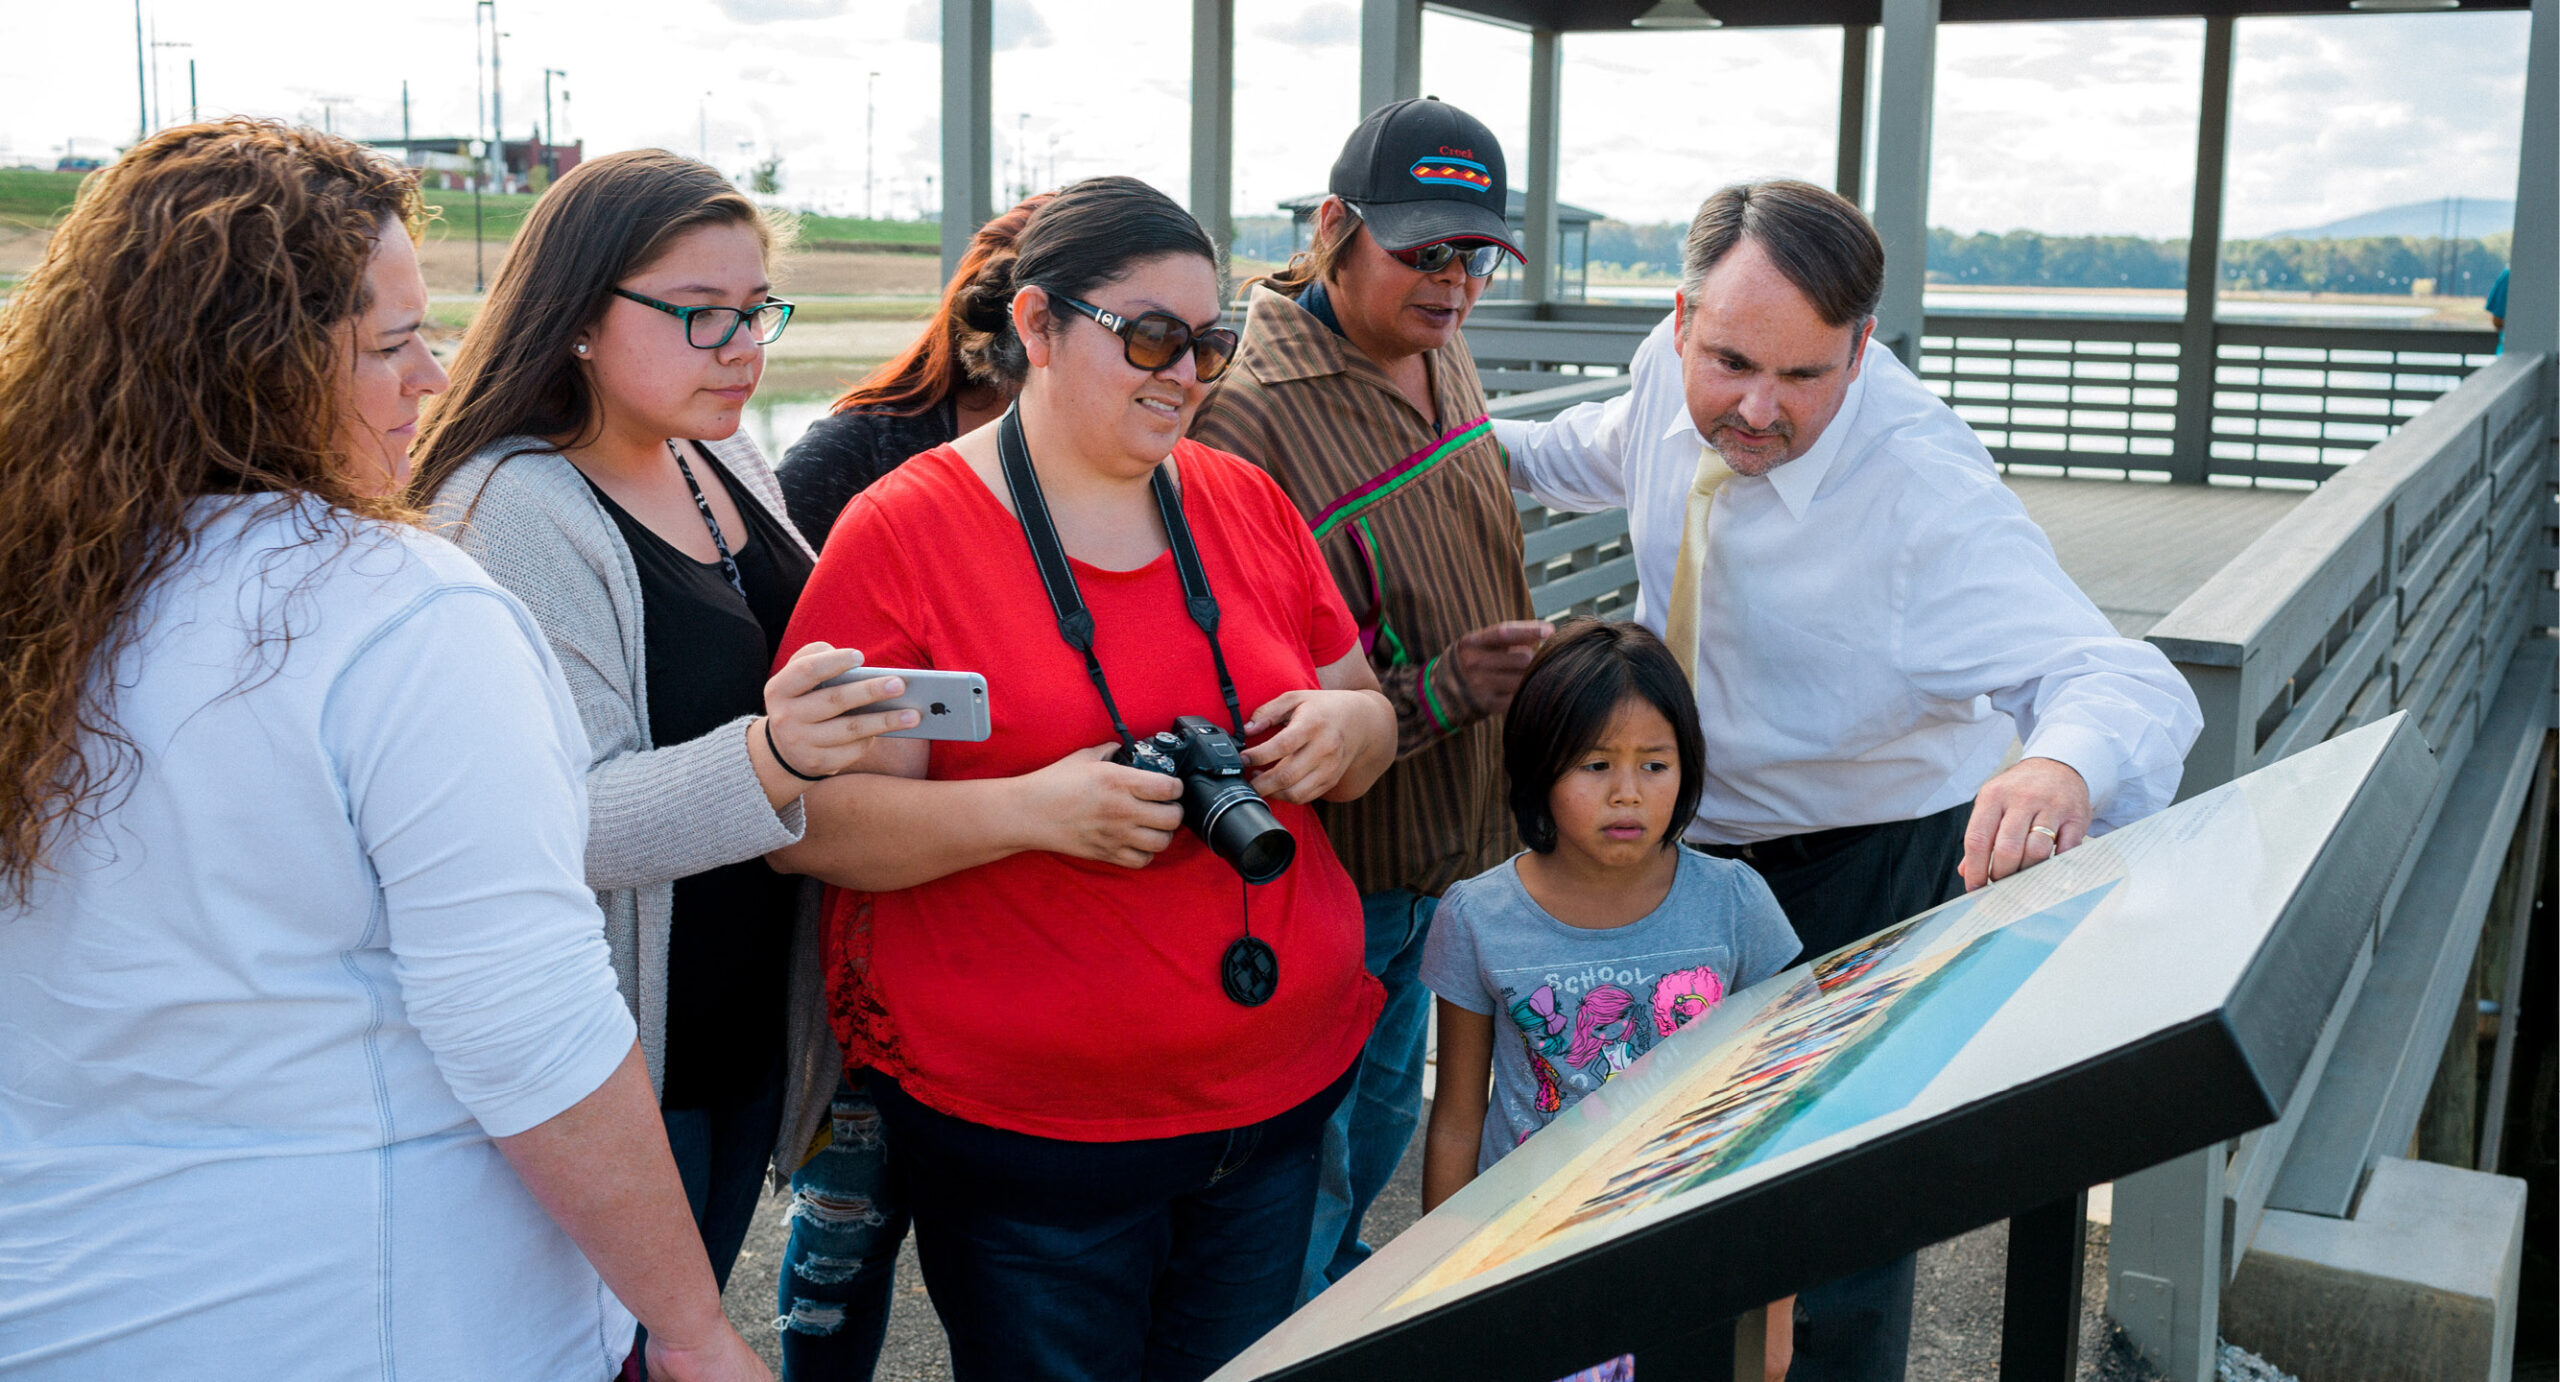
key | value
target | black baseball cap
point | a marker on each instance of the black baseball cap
(1424, 172)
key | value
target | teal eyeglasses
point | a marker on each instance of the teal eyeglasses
(709, 328)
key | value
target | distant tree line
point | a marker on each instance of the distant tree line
(2369, 264)
(2029, 259)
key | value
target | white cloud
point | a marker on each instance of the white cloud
(1317, 26)
(768, 11)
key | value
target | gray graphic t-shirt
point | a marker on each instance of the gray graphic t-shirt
(1572, 1007)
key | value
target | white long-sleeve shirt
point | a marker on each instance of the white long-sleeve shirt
(259, 1024)
(1876, 618)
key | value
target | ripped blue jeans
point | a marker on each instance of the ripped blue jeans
(847, 1221)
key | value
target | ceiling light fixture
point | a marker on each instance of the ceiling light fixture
(1677, 14)
(2402, 6)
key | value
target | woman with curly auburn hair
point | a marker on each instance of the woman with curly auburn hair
(314, 1061)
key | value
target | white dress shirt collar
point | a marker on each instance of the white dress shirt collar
(1799, 480)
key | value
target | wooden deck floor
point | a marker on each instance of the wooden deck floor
(2139, 549)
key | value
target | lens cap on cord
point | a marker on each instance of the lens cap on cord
(1250, 971)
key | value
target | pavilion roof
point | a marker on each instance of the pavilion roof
(1581, 16)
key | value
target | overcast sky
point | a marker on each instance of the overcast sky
(2068, 128)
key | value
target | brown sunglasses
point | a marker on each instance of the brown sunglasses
(1152, 341)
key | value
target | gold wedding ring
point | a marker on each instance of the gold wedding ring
(2044, 830)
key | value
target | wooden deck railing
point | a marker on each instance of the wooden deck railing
(2419, 579)
(2090, 397)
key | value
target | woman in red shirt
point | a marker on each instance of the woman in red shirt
(1107, 1132)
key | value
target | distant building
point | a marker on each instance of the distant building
(1573, 242)
(448, 164)
(79, 163)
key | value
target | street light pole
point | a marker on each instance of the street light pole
(550, 132)
(869, 104)
(702, 128)
(497, 94)
(141, 83)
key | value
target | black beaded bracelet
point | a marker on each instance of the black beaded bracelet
(785, 763)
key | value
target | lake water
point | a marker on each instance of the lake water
(775, 423)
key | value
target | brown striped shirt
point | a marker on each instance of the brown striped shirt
(1415, 518)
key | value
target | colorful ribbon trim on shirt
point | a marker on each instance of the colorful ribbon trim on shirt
(1396, 477)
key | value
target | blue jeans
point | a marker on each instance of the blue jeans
(1154, 1260)
(841, 1264)
(1365, 1140)
(721, 1154)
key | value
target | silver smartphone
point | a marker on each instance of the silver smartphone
(948, 705)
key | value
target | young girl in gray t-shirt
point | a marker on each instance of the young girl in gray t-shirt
(1562, 966)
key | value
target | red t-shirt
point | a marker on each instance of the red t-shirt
(1057, 996)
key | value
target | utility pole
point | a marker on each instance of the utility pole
(141, 84)
(702, 128)
(156, 46)
(870, 92)
(404, 118)
(550, 132)
(497, 94)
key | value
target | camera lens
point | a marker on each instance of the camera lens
(1232, 818)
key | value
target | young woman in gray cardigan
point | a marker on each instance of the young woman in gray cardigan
(588, 456)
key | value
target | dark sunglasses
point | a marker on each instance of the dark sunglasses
(709, 328)
(1481, 258)
(1154, 340)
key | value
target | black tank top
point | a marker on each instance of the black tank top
(708, 654)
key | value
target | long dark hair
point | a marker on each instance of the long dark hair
(608, 219)
(178, 339)
(951, 354)
(1089, 234)
(1574, 685)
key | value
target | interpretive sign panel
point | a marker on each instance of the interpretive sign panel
(2151, 992)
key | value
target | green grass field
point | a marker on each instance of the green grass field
(34, 198)
(30, 197)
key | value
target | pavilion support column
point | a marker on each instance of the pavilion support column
(1390, 52)
(968, 125)
(2191, 450)
(1213, 120)
(1851, 179)
(1538, 276)
(2533, 282)
(1901, 211)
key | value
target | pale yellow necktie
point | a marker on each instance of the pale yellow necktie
(1680, 620)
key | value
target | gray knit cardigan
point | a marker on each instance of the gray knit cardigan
(654, 814)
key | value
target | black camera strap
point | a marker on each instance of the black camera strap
(1075, 622)
(1249, 970)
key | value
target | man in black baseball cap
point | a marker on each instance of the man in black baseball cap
(1422, 173)
(1354, 388)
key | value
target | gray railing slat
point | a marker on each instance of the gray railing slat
(1572, 535)
(2316, 717)
(2388, 1053)
(1564, 592)
(1546, 403)
(2442, 599)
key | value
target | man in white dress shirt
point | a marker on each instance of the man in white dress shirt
(1872, 621)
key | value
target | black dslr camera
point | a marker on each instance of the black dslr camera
(1218, 805)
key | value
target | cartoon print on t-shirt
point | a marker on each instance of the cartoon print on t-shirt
(1584, 1043)
(1542, 1033)
(1683, 996)
(1604, 1030)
